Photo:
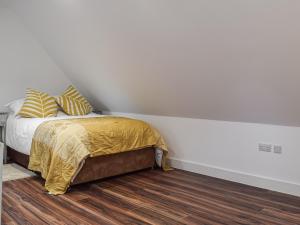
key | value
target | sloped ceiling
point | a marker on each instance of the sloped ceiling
(24, 63)
(234, 60)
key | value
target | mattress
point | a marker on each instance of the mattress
(20, 131)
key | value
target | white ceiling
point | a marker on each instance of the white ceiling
(234, 60)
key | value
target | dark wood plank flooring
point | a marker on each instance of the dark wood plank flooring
(149, 197)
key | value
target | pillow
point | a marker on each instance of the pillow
(38, 105)
(15, 106)
(61, 114)
(73, 103)
(73, 107)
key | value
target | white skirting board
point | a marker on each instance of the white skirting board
(235, 176)
(229, 150)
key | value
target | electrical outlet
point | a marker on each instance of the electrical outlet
(265, 147)
(277, 149)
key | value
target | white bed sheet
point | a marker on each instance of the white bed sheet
(20, 131)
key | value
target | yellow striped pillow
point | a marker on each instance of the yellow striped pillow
(73, 107)
(73, 103)
(38, 105)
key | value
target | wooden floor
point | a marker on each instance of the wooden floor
(149, 197)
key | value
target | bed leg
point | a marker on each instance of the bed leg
(153, 166)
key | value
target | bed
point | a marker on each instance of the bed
(22, 132)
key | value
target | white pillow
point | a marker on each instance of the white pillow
(15, 106)
(61, 114)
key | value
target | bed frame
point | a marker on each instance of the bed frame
(102, 166)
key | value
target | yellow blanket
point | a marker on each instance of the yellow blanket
(60, 147)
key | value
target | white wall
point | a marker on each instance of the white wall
(229, 150)
(24, 63)
(235, 60)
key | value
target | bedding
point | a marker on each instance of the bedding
(61, 144)
(60, 147)
(20, 131)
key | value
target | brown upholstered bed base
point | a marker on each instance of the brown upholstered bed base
(102, 166)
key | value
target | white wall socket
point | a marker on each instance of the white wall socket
(265, 147)
(277, 149)
(269, 148)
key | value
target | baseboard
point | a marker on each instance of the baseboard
(236, 176)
